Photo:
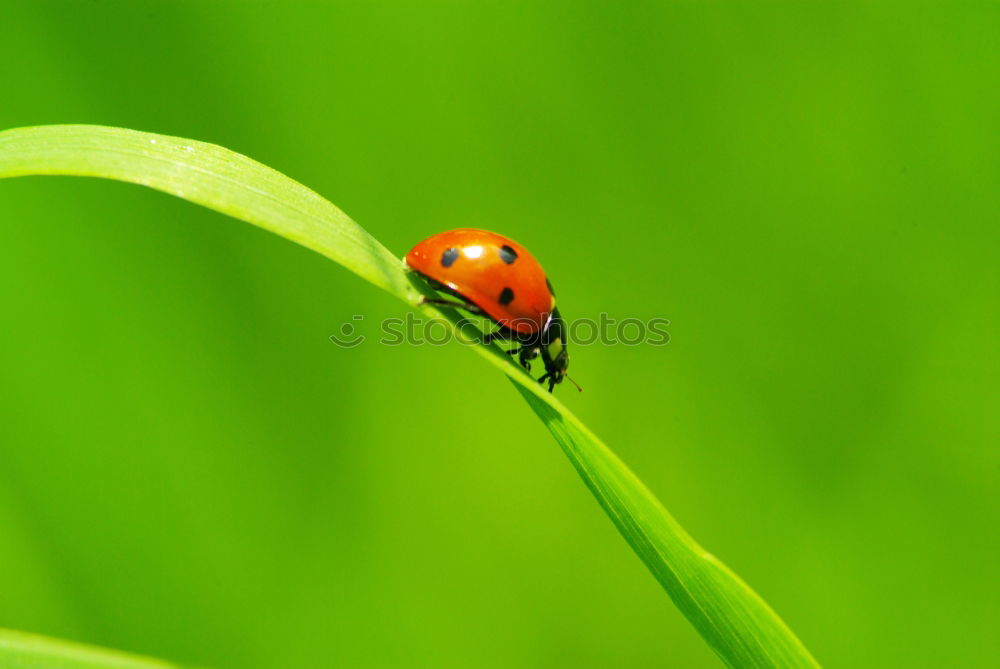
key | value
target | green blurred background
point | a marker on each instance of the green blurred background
(809, 192)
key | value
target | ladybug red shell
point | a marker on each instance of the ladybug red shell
(495, 276)
(493, 272)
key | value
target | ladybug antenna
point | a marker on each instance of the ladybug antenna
(574, 382)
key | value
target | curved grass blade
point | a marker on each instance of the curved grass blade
(732, 618)
(208, 175)
(742, 629)
(28, 651)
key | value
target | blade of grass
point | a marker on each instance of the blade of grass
(742, 629)
(28, 651)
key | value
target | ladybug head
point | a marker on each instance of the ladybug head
(554, 352)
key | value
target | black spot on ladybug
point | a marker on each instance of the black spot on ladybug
(506, 296)
(552, 291)
(507, 254)
(449, 256)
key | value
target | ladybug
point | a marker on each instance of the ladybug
(494, 276)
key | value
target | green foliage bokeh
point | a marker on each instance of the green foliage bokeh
(189, 468)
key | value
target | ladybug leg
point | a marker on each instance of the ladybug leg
(526, 356)
(550, 377)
